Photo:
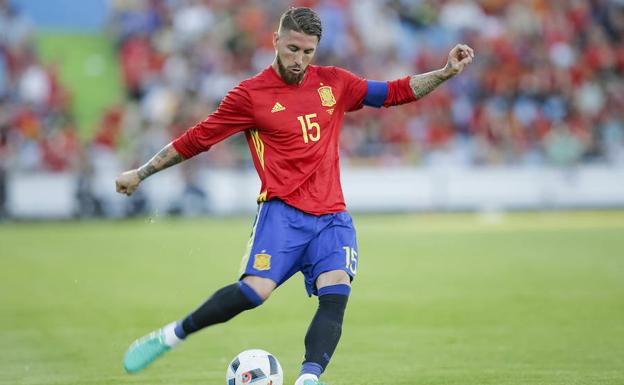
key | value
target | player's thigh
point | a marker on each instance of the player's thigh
(333, 277)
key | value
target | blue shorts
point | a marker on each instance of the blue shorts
(285, 240)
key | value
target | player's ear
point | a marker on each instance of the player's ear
(275, 39)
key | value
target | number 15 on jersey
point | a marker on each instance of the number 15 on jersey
(311, 130)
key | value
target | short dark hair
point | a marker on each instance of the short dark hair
(302, 19)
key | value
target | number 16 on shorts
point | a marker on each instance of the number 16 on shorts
(351, 259)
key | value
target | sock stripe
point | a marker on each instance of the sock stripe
(179, 331)
(341, 289)
(250, 293)
(311, 368)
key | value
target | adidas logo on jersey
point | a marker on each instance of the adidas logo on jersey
(278, 107)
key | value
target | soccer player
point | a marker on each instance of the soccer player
(291, 114)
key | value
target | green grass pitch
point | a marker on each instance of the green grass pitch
(533, 298)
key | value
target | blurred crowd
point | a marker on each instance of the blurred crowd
(546, 87)
(37, 130)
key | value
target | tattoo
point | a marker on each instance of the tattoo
(424, 83)
(167, 157)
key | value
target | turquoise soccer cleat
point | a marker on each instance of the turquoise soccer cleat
(312, 382)
(144, 351)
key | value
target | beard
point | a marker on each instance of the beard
(287, 76)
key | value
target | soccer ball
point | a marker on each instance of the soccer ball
(255, 367)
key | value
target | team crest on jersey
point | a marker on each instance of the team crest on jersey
(327, 96)
(262, 262)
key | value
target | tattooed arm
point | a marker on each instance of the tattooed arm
(167, 157)
(129, 181)
(460, 56)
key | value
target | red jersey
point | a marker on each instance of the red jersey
(293, 132)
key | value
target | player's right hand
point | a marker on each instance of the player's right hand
(127, 182)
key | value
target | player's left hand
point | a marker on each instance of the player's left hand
(460, 56)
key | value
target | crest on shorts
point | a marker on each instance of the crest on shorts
(327, 96)
(262, 262)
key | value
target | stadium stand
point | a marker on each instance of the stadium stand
(546, 89)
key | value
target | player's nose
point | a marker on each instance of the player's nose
(299, 59)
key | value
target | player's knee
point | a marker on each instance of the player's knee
(262, 286)
(331, 278)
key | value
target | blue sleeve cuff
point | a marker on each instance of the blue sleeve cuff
(376, 93)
